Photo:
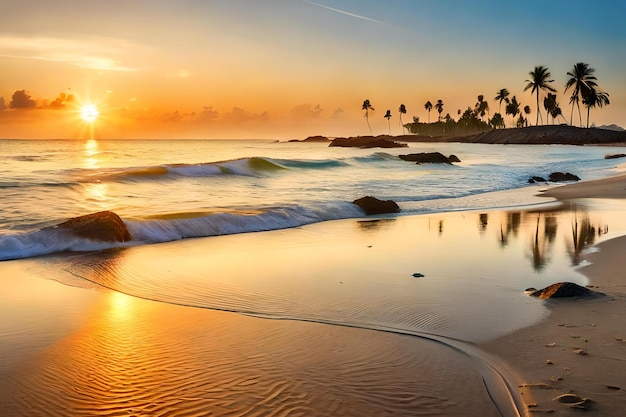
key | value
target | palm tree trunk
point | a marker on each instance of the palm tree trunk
(588, 108)
(537, 122)
(580, 118)
(571, 115)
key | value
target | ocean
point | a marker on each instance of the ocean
(254, 286)
(168, 190)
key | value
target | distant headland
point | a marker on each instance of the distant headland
(532, 135)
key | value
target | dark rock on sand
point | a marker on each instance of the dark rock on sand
(429, 158)
(535, 179)
(367, 142)
(372, 205)
(453, 158)
(563, 290)
(559, 177)
(104, 226)
(615, 156)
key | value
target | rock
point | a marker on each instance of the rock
(316, 138)
(104, 226)
(615, 156)
(367, 142)
(427, 158)
(418, 275)
(535, 179)
(372, 205)
(559, 176)
(453, 158)
(563, 290)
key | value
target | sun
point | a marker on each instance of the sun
(89, 113)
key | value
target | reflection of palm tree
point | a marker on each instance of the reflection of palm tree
(539, 80)
(402, 111)
(583, 81)
(439, 108)
(538, 250)
(428, 106)
(503, 95)
(595, 98)
(583, 235)
(388, 117)
(367, 106)
(483, 221)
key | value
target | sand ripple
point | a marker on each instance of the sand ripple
(136, 357)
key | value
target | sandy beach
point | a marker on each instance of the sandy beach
(165, 328)
(580, 348)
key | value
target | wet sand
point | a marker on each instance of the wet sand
(580, 348)
(337, 340)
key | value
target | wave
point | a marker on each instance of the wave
(251, 166)
(176, 226)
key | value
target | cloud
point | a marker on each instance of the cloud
(22, 100)
(239, 115)
(358, 16)
(61, 101)
(306, 111)
(337, 113)
(91, 52)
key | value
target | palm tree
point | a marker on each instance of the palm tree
(512, 108)
(527, 112)
(583, 81)
(539, 80)
(428, 106)
(388, 117)
(402, 111)
(482, 107)
(549, 103)
(497, 121)
(367, 106)
(595, 98)
(503, 95)
(439, 107)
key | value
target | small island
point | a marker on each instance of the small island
(532, 135)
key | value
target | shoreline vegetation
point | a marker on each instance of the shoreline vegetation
(532, 135)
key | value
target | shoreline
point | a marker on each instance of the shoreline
(374, 252)
(579, 347)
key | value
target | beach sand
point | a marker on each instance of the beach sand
(580, 348)
(73, 347)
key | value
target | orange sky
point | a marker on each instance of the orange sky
(286, 68)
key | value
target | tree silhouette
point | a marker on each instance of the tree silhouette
(482, 107)
(503, 95)
(527, 112)
(512, 108)
(439, 108)
(428, 106)
(497, 121)
(402, 111)
(388, 117)
(583, 81)
(539, 80)
(549, 103)
(595, 98)
(367, 106)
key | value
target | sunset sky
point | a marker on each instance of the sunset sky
(288, 68)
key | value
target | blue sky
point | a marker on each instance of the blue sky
(281, 68)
